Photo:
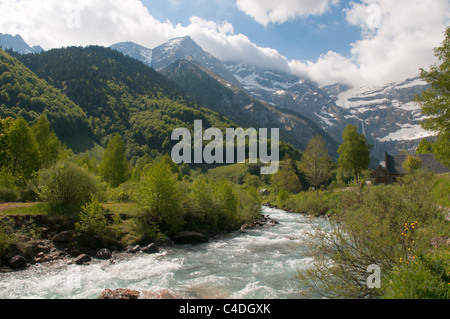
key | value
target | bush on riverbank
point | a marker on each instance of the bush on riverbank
(385, 226)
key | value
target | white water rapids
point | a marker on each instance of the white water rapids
(258, 264)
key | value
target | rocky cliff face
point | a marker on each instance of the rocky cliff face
(387, 114)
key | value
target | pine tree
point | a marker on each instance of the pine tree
(114, 167)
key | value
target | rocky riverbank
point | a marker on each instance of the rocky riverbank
(43, 239)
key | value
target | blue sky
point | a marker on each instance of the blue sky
(304, 38)
(356, 42)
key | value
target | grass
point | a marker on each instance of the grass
(127, 209)
(16, 209)
(230, 172)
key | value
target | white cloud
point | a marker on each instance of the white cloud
(398, 38)
(280, 11)
(56, 23)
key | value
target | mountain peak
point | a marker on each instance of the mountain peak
(17, 44)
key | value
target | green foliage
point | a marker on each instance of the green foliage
(114, 167)
(23, 94)
(316, 164)
(66, 187)
(441, 191)
(121, 95)
(8, 195)
(6, 239)
(158, 195)
(210, 206)
(411, 163)
(48, 145)
(354, 152)
(427, 277)
(435, 100)
(425, 147)
(92, 220)
(286, 179)
(23, 155)
(382, 225)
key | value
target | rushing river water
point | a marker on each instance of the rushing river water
(257, 264)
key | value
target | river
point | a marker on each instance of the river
(257, 264)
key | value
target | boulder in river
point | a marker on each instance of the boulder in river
(18, 262)
(104, 254)
(189, 238)
(82, 259)
(150, 249)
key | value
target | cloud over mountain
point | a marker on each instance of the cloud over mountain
(397, 37)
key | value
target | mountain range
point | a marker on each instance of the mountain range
(258, 97)
(17, 44)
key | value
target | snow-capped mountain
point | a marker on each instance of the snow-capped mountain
(135, 51)
(17, 44)
(172, 51)
(388, 114)
(292, 93)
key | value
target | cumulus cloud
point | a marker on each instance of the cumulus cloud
(280, 11)
(56, 23)
(398, 38)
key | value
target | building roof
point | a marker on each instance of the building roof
(394, 164)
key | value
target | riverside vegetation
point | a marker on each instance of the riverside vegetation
(124, 189)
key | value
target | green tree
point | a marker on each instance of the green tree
(435, 101)
(114, 167)
(22, 150)
(158, 195)
(354, 152)
(316, 164)
(425, 147)
(286, 179)
(48, 145)
(66, 186)
(411, 163)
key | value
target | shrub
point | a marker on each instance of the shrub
(427, 277)
(92, 220)
(6, 239)
(383, 225)
(8, 195)
(158, 196)
(314, 205)
(66, 186)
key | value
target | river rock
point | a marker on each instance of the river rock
(17, 262)
(150, 249)
(133, 249)
(134, 294)
(190, 238)
(82, 259)
(119, 294)
(64, 237)
(104, 254)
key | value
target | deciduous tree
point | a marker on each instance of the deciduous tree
(354, 152)
(316, 163)
(435, 101)
(114, 167)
